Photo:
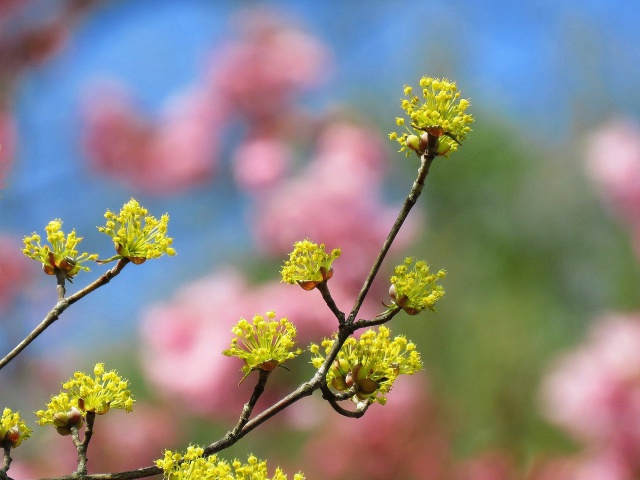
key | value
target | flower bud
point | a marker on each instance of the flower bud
(67, 264)
(436, 131)
(359, 372)
(341, 366)
(413, 142)
(120, 250)
(74, 418)
(309, 285)
(12, 437)
(48, 269)
(424, 141)
(65, 421)
(269, 365)
(348, 380)
(339, 384)
(367, 386)
(443, 148)
(102, 408)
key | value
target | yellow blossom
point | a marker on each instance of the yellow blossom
(12, 429)
(415, 289)
(441, 114)
(136, 235)
(193, 465)
(309, 264)
(371, 363)
(264, 343)
(61, 255)
(82, 394)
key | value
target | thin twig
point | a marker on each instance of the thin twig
(83, 445)
(378, 320)
(6, 461)
(410, 201)
(248, 407)
(328, 394)
(323, 287)
(61, 306)
(60, 277)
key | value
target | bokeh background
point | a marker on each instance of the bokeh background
(256, 124)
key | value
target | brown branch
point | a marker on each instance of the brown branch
(328, 394)
(82, 446)
(248, 407)
(61, 306)
(378, 320)
(323, 287)
(410, 201)
(6, 461)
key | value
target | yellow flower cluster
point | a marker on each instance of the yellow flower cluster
(133, 240)
(194, 466)
(309, 264)
(264, 343)
(441, 114)
(416, 289)
(12, 429)
(371, 363)
(84, 394)
(62, 255)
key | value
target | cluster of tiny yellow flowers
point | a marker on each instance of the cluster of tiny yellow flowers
(136, 235)
(82, 394)
(12, 429)
(194, 466)
(264, 343)
(371, 363)
(61, 255)
(415, 289)
(441, 114)
(309, 264)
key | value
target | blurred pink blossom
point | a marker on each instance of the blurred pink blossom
(23, 470)
(28, 39)
(143, 434)
(613, 162)
(263, 71)
(495, 465)
(7, 144)
(606, 464)
(334, 200)
(176, 152)
(593, 392)
(260, 163)
(183, 340)
(398, 440)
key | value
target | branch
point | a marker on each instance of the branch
(83, 445)
(6, 461)
(61, 306)
(334, 398)
(248, 407)
(378, 320)
(357, 413)
(323, 287)
(327, 394)
(410, 201)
